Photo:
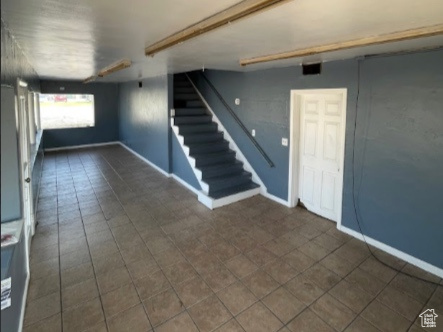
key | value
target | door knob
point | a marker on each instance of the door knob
(28, 180)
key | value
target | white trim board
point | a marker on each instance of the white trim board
(204, 186)
(150, 163)
(185, 184)
(82, 146)
(276, 199)
(395, 252)
(23, 307)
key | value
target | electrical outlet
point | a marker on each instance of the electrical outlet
(284, 141)
(253, 133)
(237, 101)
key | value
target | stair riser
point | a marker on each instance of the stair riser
(229, 183)
(182, 84)
(235, 169)
(195, 103)
(214, 160)
(216, 147)
(181, 90)
(192, 119)
(186, 96)
(206, 138)
(190, 111)
(194, 129)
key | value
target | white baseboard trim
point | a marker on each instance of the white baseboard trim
(82, 146)
(205, 200)
(395, 252)
(275, 199)
(216, 203)
(23, 308)
(150, 163)
(185, 184)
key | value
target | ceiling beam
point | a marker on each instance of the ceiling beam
(119, 65)
(241, 10)
(428, 31)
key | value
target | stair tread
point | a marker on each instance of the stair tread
(197, 145)
(221, 165)
(233, 190)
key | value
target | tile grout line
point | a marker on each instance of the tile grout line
(172, 287)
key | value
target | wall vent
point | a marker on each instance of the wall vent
(312, 69)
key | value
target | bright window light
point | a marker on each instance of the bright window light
(59, 111)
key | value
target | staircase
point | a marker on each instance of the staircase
(221, 176)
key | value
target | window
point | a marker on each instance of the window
(66, 111)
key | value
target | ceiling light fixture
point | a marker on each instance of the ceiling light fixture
(241, 10)
(119, 65)
(361, 42)
(90, 79)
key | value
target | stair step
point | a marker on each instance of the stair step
(227, 181)
(184, 90)
(197, 128)
(203, 137)
(205, 159)
(233, 190)
(182, 84)
(194, 103)
(190, 111)
(216, 146)
(186, 96)
(178, 120)
(212, 171)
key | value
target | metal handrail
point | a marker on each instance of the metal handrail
(239, 122)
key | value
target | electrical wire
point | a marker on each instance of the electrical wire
(353, 190)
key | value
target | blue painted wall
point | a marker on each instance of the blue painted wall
(106, 115)
(265, 105)
(399, 142)
(10, 183)
(13, 65)
(399, 154)
(144, 119)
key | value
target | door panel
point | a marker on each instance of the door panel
(322, 119)
(328, 189)
(311, 131)
(308, 188)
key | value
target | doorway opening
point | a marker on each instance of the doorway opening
(316, 155)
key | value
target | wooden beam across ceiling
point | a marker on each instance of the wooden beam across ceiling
(241, 10)
(428, 31)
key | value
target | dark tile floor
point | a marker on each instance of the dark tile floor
(120, 247)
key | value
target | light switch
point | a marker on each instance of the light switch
(284, 141)
(237, 101)
(253, 132)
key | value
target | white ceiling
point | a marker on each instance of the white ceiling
(73, 39)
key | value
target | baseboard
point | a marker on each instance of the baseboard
(23, 309)
(185, 184)
(394, 252)
(82, 146)
(216, 203)
(150, 163)
(275, 199)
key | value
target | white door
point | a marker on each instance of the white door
(322, 134)
(25, 160)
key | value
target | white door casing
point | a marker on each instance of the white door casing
(318, 124)
(25, 161)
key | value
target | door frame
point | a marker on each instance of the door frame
(22, 117)
(294, 146)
